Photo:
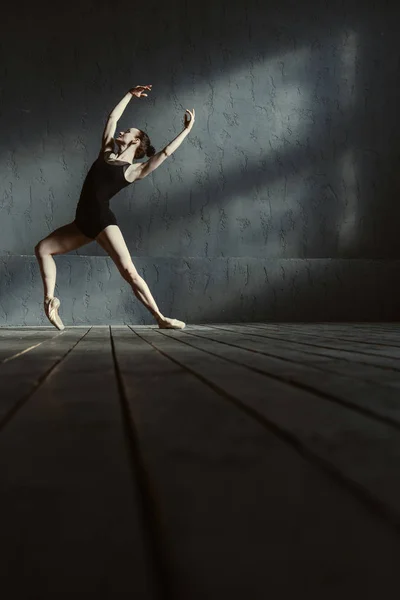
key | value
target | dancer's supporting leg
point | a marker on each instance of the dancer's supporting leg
(62, 240)
(111, 239)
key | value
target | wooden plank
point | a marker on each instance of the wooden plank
(344, 347)
(13, 343)
(354, 446)
(329, 329)
(16, 332)
(366, 372)
(20, 377)
(380, 401)
(349, 334)
(233, 497)
(320, 353)
(321, 341)
(71, 511)
(332, 325)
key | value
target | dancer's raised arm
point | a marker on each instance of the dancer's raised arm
(116, 113)
(158, 158)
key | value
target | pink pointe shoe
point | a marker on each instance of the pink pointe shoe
(166, 323)
(51, 307)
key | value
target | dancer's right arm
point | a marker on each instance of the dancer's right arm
(116, 113)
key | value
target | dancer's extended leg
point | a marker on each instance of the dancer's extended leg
(111, 239)
(62, 240)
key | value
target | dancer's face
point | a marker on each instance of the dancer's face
(128, 136)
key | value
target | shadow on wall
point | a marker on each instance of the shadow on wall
(205, 291)
(302, 290)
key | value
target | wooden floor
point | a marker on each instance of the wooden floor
(239, 462)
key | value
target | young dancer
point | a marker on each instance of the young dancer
(94, 219)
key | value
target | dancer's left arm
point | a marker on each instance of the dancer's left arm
(155, 161)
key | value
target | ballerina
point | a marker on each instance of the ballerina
(94, 220)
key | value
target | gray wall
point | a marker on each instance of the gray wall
(283, 202)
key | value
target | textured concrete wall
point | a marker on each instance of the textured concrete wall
(294, 154)
(201, 290)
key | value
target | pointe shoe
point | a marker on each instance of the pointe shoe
(167, 323)
(51, 310)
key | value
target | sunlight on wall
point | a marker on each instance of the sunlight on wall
(263, 221)
(348, 191)
(259, 107)
(277, 97)
(348, 69)
(347, 163)
(249, 117)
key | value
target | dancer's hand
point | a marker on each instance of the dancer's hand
(139, 89)
(189, 120)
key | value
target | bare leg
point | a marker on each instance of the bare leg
(111, 239)
(62, 240)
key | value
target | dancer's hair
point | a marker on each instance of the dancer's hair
(145, 148)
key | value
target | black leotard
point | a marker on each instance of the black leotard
(102, 182)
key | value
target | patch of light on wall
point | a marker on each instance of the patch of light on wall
(243, 114)
(348, 66)
(347, 166)
(275, 205)
(348, 221)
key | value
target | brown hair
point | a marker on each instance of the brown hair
(145, 148)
